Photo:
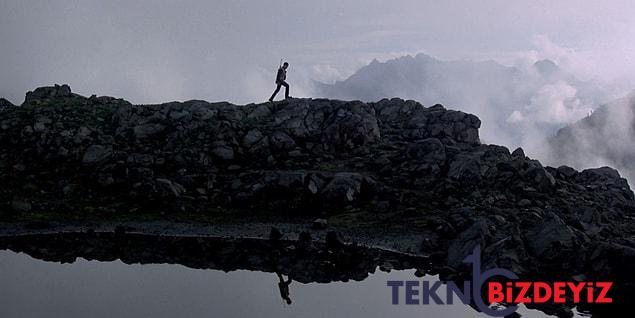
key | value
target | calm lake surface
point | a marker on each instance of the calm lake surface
(35, 288)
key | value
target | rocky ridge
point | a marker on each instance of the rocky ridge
(388, 166)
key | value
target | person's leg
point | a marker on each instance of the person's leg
(286, 89)
(275, 92)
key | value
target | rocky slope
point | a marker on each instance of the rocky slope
(388, 166)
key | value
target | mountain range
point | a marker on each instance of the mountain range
(518, 105)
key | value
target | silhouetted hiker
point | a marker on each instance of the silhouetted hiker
(284, 288)
(280, 81)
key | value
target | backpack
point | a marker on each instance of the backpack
(279, 75)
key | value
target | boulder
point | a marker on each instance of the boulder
(223, 152)
(539, 176)
(319, 224)
(291, 179)
(147, 130)
(601, 176)
(42, 94)
(281, 142)
(465, 168)
(518, 153)
(550, 238)
(344, 187)
(251, 138)
(430, 150)
(465, 242)
(353, 124)
(97, 154)
(21, 205)
(169, 188)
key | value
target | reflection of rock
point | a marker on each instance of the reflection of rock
(304, 260)
(343, 263)
(169, 188)
(463, 245)
(20, 205)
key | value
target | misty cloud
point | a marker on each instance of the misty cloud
(555, 103)
(605, 138)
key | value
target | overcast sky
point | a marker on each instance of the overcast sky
(155, 51)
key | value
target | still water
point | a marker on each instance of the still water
(34, 288)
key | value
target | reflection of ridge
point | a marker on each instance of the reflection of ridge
(306, 263)
(302, 261)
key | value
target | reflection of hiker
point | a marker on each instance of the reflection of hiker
(284, 288)
(280, 81)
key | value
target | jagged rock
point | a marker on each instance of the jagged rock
(180, 115)
(42, 94)
(251, 138)
(259, 112)
(105, 179)
(21, 205)
(291, 179)
(305, 242)
(344, 187)
(567, 171)
(96, 154)
(429, 150)
(5, 105)
(280, 141)
(275, 234)
(147, 130)
(333, 241)
(260, 148)
(465, 168)
(144, 160)
(386, 267)
(524, 203)
(540, 177)
(223, 152)
(465, 242)
(551, 237)
(169, 188)
(319, 224)
(352, 125)
(518, 153)
(315, 184)
(599, 176)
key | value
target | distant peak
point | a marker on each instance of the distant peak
(423, 56)
(547, 67)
